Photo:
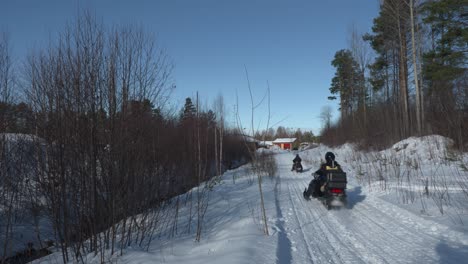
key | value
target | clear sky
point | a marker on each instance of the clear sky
(288, 43)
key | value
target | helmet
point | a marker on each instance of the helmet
(329, 157)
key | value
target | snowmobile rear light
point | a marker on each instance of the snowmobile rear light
(336, 190)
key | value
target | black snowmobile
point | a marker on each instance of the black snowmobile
(297, 166)
(331, 191)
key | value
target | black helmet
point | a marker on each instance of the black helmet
(329, 157)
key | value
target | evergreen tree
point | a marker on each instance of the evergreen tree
(281, 132)
(448, 21)
(390, 69)
(210, 118)
(308, 136)
(298, 135)
(189, 111)
(346, 82)
(445, 68)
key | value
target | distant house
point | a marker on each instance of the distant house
(284, 143)
(265, 144)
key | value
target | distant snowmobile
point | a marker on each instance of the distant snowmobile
(297, 166)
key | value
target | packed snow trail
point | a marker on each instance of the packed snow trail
(373, 228)
(368, 230)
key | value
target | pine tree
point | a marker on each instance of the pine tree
(390, 69)
(189, 111)
(446, 61)
(445, 68)
(346, 82)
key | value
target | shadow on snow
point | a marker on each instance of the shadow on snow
(283, 251)
(451, 253)
(354, 196)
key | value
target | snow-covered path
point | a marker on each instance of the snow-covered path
(374, 227)
(369, 230)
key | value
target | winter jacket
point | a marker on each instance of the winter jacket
(326, 167)
(297, 159)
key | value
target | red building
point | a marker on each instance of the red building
(284, 143)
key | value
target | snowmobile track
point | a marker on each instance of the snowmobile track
(367, 230)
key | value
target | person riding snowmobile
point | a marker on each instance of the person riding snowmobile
(315, 185)
(298, 160)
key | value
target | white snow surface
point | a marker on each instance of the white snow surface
(391, 216)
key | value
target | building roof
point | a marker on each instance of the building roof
(266, 143)
(284, 140)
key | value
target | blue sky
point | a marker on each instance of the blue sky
(289, 44)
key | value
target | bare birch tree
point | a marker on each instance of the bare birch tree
(220, 110)
(252, 151)
(93, 93)
(6, 69)
(326, 115)
(361, 53)
(419, 108)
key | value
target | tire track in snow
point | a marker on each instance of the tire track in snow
(330, 244)
(322, 241)
(349, 235)
(283, 252)
(308, 248)
(370, 239)
(312, 255)
(284, 172)
(375, 241)
(344, 252)
(371, 231)
(395, 235)
(320, 246)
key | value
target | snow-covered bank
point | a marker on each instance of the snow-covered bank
(407, 204)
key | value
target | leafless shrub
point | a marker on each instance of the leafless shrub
(106, 159)
(265, 165)
(93, 94)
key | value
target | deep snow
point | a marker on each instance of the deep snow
(407, 204)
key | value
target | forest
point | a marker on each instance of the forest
(88, 141)
(412, 82)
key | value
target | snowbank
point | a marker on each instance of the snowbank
(427, 148)
(392, 216)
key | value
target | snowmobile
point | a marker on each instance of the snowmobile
(297, 166)
(332, 193)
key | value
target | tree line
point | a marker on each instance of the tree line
(106, 154)
(415, 84)
(284, 132)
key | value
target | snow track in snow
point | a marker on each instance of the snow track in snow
(369, 230)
